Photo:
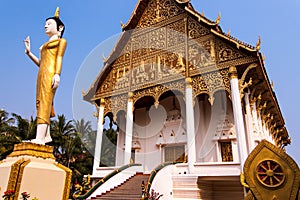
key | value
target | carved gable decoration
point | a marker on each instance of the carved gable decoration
(226, 52)
(155, 54)
(157, 11)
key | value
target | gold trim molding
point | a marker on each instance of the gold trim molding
(32, 149)
(67, 180)
(16, 175)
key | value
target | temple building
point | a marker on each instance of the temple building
(181, 91)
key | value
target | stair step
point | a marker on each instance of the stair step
(129, 190)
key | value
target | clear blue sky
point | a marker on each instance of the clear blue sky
(90, 22)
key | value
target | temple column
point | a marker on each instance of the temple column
(98, 145)
(190, 124)
(238, 115)
(250, 133)
(129, 129)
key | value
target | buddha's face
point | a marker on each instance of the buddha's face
(51, 27)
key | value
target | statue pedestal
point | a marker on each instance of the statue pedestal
(32, 168)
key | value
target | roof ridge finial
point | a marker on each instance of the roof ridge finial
(258, 44)
(218, 18)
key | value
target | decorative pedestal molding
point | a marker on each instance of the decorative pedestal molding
(32, 168)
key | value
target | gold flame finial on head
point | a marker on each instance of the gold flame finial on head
(56, 12)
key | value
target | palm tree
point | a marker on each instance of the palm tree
(25, 129)
(5, 121)
(109, 147)
(61, 132)
(68, 147)
(7, 134)
(87, 135)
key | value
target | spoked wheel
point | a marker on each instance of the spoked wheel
(270, 173)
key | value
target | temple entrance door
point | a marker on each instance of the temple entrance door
(132, 159)
(175, 153)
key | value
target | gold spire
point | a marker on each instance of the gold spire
(122, 24)
(258, 44)
(218, 18)
(229, 33)
(56, 12)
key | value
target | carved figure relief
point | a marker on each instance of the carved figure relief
(199, 57)
(157, 11)
(226, 53)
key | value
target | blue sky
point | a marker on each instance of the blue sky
(89, 23)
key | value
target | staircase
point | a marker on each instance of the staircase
(129, 190)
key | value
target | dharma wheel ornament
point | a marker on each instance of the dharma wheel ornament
(270, 173)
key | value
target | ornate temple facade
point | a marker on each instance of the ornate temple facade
(181, 90)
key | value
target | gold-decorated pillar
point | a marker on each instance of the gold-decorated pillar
(190, 124)
(129, 129)
(97, 156)
(238, 115)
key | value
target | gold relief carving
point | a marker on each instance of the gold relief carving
(68, 180)
(140, 45)
(157, 39)
(195, 29)
(122, 78)
(144, 72)
(157, 11)
(127, 51)
(115, 104)
(107, 106)
(174, 61)
(210, 83)
(226, 53)
(32, 149)
(157, 91)
(107, 85)
(176, 33)
(201, 55)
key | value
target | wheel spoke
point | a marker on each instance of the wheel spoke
(263, 180)
(262, 166)
(275, 167)
(269, 165)
(277, 179)
(262, 173)
(279, 173)
(271, 181)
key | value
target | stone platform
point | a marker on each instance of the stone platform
(32, 168)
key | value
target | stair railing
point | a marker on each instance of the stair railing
(103, 180)
(153, 174)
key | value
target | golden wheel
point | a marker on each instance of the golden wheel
(270, 173)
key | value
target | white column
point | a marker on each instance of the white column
(238, 115)
(190, 124)
(129, 129)
(98, 145)
(250, 133)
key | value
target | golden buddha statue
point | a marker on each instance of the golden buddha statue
(48, 79)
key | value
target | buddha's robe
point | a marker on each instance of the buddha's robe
(50, 64)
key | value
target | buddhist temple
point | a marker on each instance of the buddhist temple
(190, 103)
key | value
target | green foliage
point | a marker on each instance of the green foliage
(109, 147)
(72, 141)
